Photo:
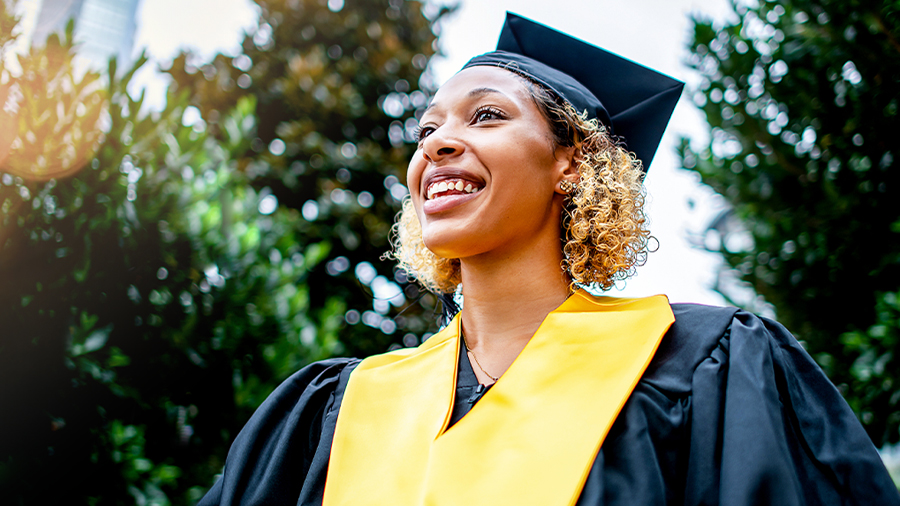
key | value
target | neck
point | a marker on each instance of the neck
(506, 300)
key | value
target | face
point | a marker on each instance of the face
(485, 177)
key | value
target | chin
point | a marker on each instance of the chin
(453, 243)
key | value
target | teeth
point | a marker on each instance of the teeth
(443, 186)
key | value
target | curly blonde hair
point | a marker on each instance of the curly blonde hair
(604, 226)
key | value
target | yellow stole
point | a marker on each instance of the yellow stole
(531, 439)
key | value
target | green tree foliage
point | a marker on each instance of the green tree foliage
(338, 85)
(161, 275)
(802, 99)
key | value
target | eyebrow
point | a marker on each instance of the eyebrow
(475, 93)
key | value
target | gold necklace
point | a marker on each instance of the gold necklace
(466, 344)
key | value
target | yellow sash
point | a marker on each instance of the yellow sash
(531, 439)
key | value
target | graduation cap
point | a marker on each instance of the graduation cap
(634, 102)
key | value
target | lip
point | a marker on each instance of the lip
(442, 204)
(442, 173)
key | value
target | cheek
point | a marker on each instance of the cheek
(529, 159)
(414, 174)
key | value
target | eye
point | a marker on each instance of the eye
(487, 113)
(422, 132)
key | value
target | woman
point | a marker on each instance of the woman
(537, 392)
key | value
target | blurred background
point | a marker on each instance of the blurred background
(195, 198)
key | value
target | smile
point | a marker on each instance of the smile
(450, 187)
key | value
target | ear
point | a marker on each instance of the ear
(566, 168)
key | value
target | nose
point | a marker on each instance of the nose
(441, 144)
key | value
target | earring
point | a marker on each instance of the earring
(567, 187)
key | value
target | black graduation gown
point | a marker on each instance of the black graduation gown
(731, 411)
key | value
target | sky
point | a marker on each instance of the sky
(651, 32)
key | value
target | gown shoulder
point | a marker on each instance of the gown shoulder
(282, 452)
(733, 411)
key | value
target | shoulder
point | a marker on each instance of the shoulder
(702, 333)
(316, 373)
(763, 416)
(311, 389)
(696, 331)
(280, 443)
(711, 339)
(324, 374)
(444, 338)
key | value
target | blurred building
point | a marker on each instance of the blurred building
(103, 28)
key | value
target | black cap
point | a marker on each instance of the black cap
(634, 102)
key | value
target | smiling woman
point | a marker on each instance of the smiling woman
(526, 187)
(596, 201)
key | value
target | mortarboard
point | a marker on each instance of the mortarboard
(634, 102)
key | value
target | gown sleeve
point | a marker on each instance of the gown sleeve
(281, 456)
(733, 412)
(778, 432)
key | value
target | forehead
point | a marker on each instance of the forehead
(480, 80)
